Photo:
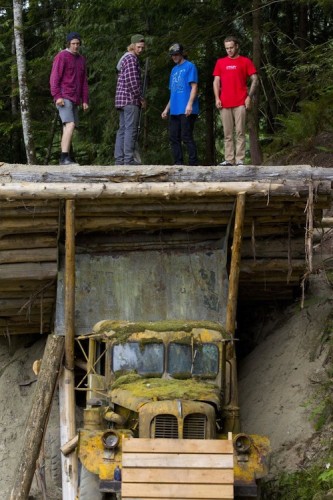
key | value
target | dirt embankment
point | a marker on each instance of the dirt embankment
(281, 383)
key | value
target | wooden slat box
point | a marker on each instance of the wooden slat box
(177, 469)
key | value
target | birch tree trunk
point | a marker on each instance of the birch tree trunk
(22, 80)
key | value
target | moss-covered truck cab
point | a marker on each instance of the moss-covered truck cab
(167, 379)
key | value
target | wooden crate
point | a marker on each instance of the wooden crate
(177, 469)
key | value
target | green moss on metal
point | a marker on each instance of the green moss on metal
(162, 389)
(122, 330)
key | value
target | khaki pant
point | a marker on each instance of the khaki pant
(234, 119)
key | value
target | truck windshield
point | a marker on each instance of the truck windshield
(187, 360)
(142, 358)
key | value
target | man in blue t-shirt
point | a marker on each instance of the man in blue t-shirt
(183, 106)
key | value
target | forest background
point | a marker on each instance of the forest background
(290, 42)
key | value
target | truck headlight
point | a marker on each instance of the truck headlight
(242, 443)
(110, 439)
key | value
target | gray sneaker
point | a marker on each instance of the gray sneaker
(239, 163)
(225, 163)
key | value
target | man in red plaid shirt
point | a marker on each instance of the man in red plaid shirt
(128, 101)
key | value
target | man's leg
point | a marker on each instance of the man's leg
(240, 121)
(119, 146)
(67, 135)
(131, 120)
(175, 139)
(228, 130)
(187, 126)
(69, 117)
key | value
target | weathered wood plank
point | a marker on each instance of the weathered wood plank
(28, 255)
(41, 240)
(171, 491)
(143, 445)
(29, 271)
(177, 460)
(162, 475)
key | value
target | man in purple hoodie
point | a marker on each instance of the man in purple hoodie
(69, 89)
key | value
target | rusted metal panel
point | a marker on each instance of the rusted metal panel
(147, 286)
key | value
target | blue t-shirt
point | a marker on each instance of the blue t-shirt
(182, 75)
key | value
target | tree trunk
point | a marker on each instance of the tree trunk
(36, 423)
(253, 117)
(22, 79)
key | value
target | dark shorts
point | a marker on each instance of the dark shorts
(68, 113)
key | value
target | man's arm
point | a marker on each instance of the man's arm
(55, 79)
(217, 89)
(193, 94)
(133, 77)
(253, 87)
(166, 110)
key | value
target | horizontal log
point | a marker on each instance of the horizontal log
(260, 266)
(15, 289)
(29, 255)
(12, 241)
(26, 329)
(274, 248)
(29, 271)
(159, 173)
(31, 225)
(158, 190)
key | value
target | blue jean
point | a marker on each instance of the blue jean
(181, 130)
(126, 135)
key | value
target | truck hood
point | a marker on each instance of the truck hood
(132, 394)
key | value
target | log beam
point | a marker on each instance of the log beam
(157, 190)
(35, 427)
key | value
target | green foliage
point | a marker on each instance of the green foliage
(300, 485)
(296, 69)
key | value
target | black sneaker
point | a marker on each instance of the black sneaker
(67, 161)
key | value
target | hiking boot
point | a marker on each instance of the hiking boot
(67, 161)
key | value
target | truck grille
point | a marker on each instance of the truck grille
(166, 426)
(195, 426)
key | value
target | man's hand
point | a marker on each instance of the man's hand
(248, 102)
(164, 114)
(85, 106)
(60, 102)
(188, 110)
(218, 103)
(143, 103)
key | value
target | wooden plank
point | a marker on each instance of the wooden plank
(28, 255)
(182, 475)
(177, 460)
(169, 491)
(29, 271)
(143, 445)
(34, 240)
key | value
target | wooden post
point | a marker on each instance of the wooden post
(70, 285)
(66, 383)
(232, 412)
(36, 424)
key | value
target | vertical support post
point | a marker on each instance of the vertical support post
(70, 285)
(66, 382)
(232, 412)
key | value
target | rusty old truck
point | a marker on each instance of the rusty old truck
(162, 380)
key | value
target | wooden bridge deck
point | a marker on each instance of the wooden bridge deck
(116, 204)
